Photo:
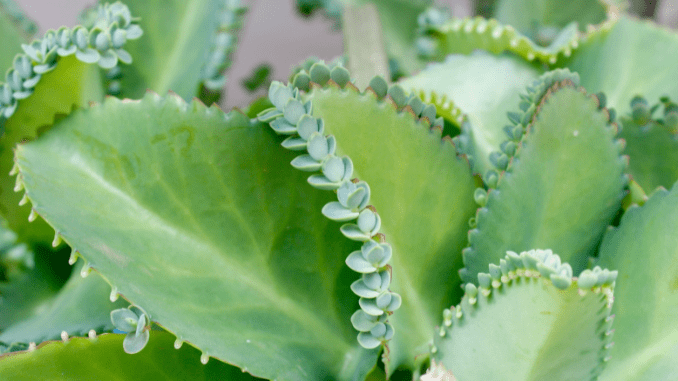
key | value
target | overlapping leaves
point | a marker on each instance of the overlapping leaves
(198, 218)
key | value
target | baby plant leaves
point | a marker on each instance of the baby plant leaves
(185, 44)
(563, 185)
(81, 305)
(102, 359)
(629, 60)
(54, 75)
(423, 194)
(198, 218)
(525, 327)
(643, 248)
(484, 87)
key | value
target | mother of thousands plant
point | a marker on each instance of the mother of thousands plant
(499, 213)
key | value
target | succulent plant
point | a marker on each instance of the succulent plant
(499, 213)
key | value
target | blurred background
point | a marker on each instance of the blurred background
(275, 28)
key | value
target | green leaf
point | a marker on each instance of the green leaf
(643, 249)
(484, 87)
(71, 84)
(542, 20)
(102, 359)
(80, 306)
(653, 153)
(629, 60)
(424, 205)
(552, 196)
(185, 44)
(526, 329)
(222, 244)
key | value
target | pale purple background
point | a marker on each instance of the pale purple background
(273, 33)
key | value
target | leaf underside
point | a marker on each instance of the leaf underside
(102, 359)
(423, 194)
(199, 219)
(552, 195)
(527, 330)
(484, 87)
(644, 249)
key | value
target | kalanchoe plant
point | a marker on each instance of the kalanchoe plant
(500, 213)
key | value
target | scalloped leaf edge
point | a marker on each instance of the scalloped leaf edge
(102, 44)
(535, 264)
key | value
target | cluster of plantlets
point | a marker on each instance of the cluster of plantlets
(524, 230)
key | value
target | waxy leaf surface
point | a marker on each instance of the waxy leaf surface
(644, 249)
(198, 218)
(527, 330)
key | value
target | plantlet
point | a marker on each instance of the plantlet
(499, 213)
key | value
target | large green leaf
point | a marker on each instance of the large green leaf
(551, 195)
(84, 359)
(423, 193)
(485, 87)
(644, 249)
(198, 218)
(80, 306)
(630, 60)
(526, 328)
(186, 43)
